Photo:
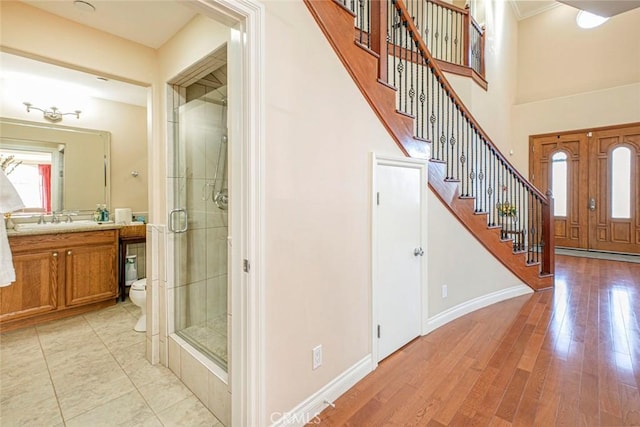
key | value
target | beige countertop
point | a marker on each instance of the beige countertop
(73, 227)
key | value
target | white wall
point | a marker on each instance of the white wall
(459, 261)
(320, 132)
(557, 58)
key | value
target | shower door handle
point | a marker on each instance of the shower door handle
(172, 217)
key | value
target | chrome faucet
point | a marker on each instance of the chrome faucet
(41, 220)
(69, 215)
(54, 218)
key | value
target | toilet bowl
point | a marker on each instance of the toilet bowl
(138, 296)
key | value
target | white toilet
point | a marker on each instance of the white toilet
(138, 296)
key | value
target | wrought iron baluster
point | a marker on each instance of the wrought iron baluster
(465, 158)
(492, 186)
(406, 65)
(458, 141)
(432, 113)
(445, 123)
(423, 96)
(439, 32)
(473, 173)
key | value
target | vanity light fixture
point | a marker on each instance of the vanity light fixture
(53, 114)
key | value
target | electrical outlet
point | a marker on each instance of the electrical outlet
(316, 357)
(445, 291)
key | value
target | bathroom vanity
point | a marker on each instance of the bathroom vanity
(60, 274)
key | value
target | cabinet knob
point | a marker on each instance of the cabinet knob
(68, 252)
(54, 254)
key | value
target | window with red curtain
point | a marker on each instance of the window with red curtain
(45, 186)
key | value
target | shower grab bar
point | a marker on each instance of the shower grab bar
(186, 220)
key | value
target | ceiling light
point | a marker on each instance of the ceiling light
(589, 20)
(84, 6)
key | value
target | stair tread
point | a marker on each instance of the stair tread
(422, 139)
(411, 116)
(367, 49)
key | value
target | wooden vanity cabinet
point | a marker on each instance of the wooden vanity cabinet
(91, 273)
(59, 275)
(35, 290)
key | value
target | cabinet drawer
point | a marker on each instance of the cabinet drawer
(61, 240)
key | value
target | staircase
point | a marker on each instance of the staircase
(391, 64)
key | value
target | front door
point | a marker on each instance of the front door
(561, 165)
(594, 178)
(614, 189)
(400, 266)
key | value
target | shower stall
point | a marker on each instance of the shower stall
(200, 217)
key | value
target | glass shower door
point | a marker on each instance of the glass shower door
(199, 222)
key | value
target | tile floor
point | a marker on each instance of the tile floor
(90, 370)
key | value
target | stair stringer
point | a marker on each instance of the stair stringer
(337, 24)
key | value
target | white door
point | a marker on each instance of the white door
(400, 219)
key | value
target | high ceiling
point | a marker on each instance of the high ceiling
(603, 8)
(527, 8)
(153, 22)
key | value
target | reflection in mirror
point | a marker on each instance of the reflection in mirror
(56, 168)
(36, 174)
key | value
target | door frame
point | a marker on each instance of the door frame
(247, 285)
(405, 162)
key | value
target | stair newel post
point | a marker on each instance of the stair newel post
(379, 35)
(465, 36)
(548, 256)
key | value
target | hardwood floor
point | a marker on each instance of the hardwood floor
(566, 356)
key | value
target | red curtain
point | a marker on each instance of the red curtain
(45, 186)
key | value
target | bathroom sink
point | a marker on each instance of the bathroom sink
(80, 224)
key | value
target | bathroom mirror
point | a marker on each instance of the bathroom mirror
(62, 168)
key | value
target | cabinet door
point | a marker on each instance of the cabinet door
(35, 290)
(90, 274)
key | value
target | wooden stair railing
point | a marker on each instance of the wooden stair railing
(453, 37)
(413, 99)
(451, 34)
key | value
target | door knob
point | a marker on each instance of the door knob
(418, 252)
(592, 204)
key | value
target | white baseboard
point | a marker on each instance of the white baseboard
(306, 411)
(459, 310)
